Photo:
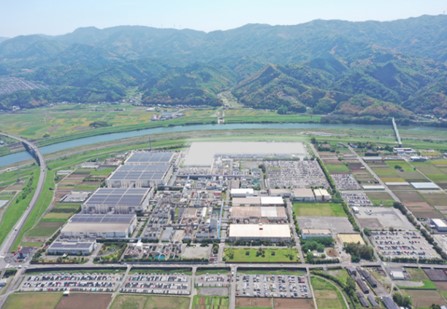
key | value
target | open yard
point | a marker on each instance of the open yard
(326, 294)
(33, 300)
(318, 210)
(125, 301)
(266, 255)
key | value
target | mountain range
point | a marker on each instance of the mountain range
(345, 69)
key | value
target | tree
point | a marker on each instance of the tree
(350, 286)
(402, 300)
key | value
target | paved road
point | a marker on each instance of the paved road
(9, 240)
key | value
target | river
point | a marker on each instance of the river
(22, 156)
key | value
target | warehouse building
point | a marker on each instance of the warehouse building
(246, 201)
(243, 192)
(71, 248)
(256, 214)
(303, 195)
(321, 195)
(259, 232)
(439, 225)
(140, 176)
(258, 201)
(118, 201)
(315, 233)
(272, 201)
(82, 226)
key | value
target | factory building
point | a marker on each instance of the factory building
(315, 233)
(242, 192)
(140, 176)
(256, 214)
(321, 195)
(439, 225)
(118, 201)
(303, 195)
(71, 248)
(83, 226)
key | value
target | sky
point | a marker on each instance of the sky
(53, 17)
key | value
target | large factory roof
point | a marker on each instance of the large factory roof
(132, 197)
(203, 153)
(151, 172)
(258, 212)
(98, 223)
(259, 231)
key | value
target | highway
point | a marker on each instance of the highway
(9, 240)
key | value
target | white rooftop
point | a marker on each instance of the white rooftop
(439, 222)
(272, 200)
(202, 153)
(425, 185)
(259, 231)
(242, 191)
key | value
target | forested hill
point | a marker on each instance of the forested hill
(349, 69)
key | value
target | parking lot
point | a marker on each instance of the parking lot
(85, 282)
(356, 199)
(402, 244)
(272, 286)
(345, 182)
(174, 284)
(212, 280)
(295, 174)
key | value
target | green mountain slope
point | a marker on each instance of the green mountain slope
(343, 68)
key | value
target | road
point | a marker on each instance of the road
(9, 240)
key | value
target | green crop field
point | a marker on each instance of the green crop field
(33, 300)
(210, 302)
(380, 198)
(327, 295)
(270, 255)
(336, 168)
(318, 210)
(125, 301)
(18, 205)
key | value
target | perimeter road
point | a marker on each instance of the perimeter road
(12, 236)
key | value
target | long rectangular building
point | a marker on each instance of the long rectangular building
(258, 213)
(119, 201)
(139, 176)
(263, 232)
(83, 226)
(71, 247)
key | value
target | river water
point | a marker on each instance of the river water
(22, 156)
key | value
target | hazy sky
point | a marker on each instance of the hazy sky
(61, 16)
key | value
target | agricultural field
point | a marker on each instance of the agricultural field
(380, 198)
(334, 168)
(56, 123)
(268, 303)
(318, 210)
(85, 301)
(424, 299)
(268, 255)
(326, 294)
(210, 302)
(436, 170)
(125, 301)
(33, 300)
